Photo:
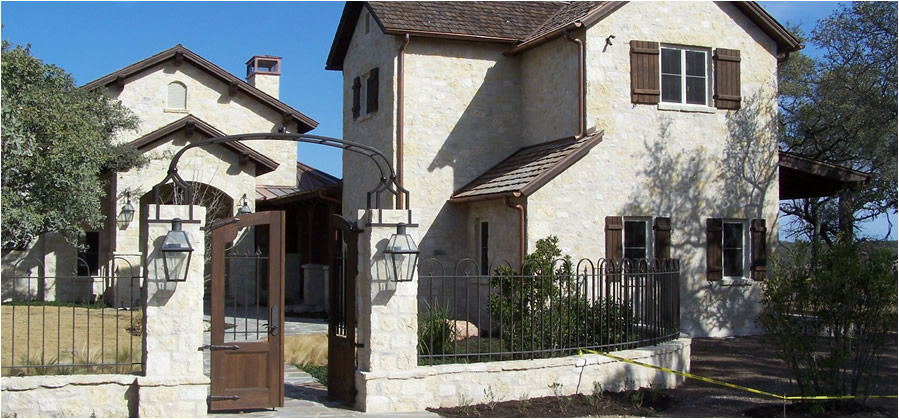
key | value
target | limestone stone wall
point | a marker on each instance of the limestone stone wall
(463, 384)
(101, 396)
(549, 91)
(463, 107)
(146, 94)
(660, 161)
(367, 51)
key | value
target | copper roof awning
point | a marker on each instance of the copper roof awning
(527, 170)
(311, 183)
(802, 177)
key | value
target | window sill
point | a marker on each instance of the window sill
(680, 107)
(172, 110)
(365, 117)
(735, 282)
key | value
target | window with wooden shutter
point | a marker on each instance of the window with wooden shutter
(727, 78)
(758, 241)
(662, 231)
(614, 243)
(714, 241)
(371, 91)
(357, 106)
(645, 72)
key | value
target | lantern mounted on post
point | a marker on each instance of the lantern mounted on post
(176, 251)
(401, 255)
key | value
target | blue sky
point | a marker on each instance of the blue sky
(92, 39)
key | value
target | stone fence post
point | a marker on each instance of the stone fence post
(174, 384)
(388, 312)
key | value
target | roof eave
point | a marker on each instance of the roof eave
(786, 41)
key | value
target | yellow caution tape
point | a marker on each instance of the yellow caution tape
(734, 386)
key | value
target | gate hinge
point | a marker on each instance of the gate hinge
(217, 398)
(219, 348)
(360, 345)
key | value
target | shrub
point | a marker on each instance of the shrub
(435, 332)
(829, 315)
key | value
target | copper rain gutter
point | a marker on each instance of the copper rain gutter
(400, 104)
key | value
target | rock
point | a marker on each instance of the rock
(463, 330)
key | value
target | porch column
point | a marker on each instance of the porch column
(388, 314)
(174, 384)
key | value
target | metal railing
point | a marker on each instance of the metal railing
(549, 311)
(63, 324)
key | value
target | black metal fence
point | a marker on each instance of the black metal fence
(549, 311)
(57, 323)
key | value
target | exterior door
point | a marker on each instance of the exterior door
(247, 293)
(342, 312)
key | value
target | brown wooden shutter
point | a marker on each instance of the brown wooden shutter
(371, 92)
(662, 229)
(357, 105)
(727, 78)
(645, 72)
(614, 232)
(714, 252)
(759, 249)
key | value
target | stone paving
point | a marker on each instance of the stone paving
(304, 397)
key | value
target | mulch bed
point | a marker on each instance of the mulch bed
(747, 361)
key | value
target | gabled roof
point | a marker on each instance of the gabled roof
(522, 25)
(309, 182)
(178, 54)
(527, 170)
(191, 123)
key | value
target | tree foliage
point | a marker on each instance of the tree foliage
(57, 142)
(841, 109)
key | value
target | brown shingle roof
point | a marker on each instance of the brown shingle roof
(520, 24)
(527, 170)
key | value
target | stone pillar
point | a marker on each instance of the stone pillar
(174, 384)
(388, 313)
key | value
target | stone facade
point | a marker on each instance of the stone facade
(468, 106)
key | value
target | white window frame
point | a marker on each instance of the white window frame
(746, 243)
(683, 78)
(647, 221)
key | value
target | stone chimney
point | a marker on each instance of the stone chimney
(264, 72)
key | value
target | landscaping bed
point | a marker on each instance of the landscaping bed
(746, 361)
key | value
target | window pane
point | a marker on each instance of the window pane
(671, 61)
(695, 63)
(733, 262)
(671, 89)
(634, 253)
(696, 90)
(733, 235)
(634, 239)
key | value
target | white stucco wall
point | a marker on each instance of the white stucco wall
(662, 163)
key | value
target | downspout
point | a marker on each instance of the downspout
(400, 104)
(522, 226)
(582, 81)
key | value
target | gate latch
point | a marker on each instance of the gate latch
(218, 348)
(217, 398)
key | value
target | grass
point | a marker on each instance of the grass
(308, 353)
(320, 373)
(68, 339)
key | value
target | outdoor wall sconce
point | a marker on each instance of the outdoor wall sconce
(244, 208)
(176, 251)
(126, 215)
(401, 255)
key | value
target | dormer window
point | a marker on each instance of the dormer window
(263, 65)
(177, 97)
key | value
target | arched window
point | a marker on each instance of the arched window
(177, 93)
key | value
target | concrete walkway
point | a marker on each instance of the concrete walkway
(304, 397)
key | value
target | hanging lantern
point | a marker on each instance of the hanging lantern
(401, 255)
(176, 252)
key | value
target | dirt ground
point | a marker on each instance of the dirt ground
(745, 361)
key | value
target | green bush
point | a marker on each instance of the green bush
(435, 332)
(829, 314)
(542, 310)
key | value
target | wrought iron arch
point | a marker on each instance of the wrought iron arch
(386, 183)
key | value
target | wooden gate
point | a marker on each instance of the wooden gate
(247, 292)
(342, 313)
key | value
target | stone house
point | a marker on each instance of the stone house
(180, 98)
(626, 129)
